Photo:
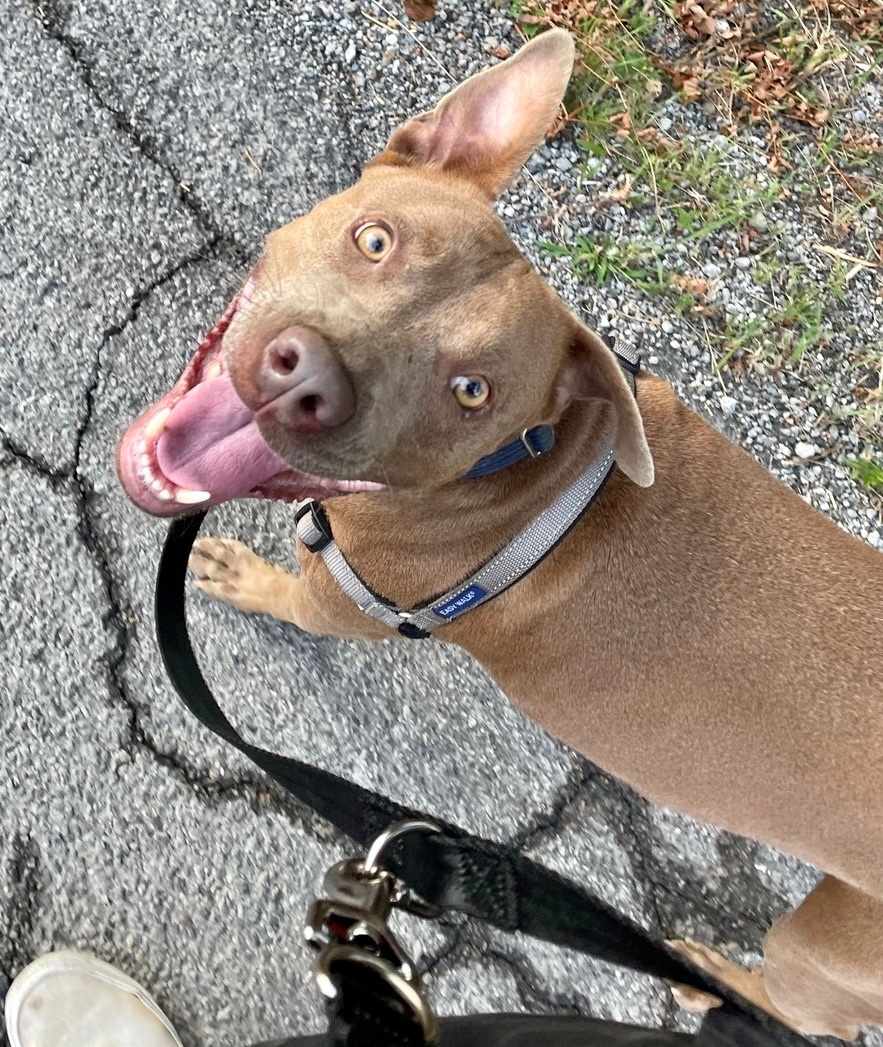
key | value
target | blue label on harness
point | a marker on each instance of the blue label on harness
(461, 602)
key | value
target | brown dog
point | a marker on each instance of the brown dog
(706, 637)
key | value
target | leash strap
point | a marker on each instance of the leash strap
(452, 869)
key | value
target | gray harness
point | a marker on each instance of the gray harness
(509, 565)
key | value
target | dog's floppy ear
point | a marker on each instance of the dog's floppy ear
(487, 127)
(591, 372)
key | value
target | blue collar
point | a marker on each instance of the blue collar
(531, 444)
(541, 438)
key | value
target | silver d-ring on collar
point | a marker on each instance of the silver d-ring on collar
(375, 851)
(533, 451)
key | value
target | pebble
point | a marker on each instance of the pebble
(759, 222)
(743, 263)
(728, 404)
(805, 450)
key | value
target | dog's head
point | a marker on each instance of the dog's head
(394, 335)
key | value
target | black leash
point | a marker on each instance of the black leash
(451, 870)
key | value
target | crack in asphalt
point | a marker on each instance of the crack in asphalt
(548, 823)
(639, 852)
(648, 872)
(673, 885)
(445, 956)
(53, 17)
(536, 997)
(552, 823)
(469, 944)
(35, 463)
(262, 795)
(25, 875)
(633, 836)
(208, 251)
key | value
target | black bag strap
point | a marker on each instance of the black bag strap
(453, 869)
(525, 1030)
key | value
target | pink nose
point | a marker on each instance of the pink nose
(302, 384)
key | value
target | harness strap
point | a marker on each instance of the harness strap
(516, 559)
(451, 869)
(529, 547)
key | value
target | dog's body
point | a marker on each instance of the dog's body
(710, 639)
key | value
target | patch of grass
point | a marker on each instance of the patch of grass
(639, 263)
(869, 413)
(696, 189)
(791, 72)
(616, 83)
(751, 61)
(739, 337)
(789, 321)
(867, 472)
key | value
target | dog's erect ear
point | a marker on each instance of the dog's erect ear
(591, 372)
(487, 127)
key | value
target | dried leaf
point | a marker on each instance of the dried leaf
(693, 284)
(420, 10)
(621, 193)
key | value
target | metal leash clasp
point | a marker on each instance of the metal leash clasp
(350, 929)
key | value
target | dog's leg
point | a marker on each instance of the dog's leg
(749, 984)
(823, 972)
(229, 571)
(824, 961)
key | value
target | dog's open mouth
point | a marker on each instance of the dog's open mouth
(200, 444)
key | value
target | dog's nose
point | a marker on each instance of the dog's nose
(302, 384)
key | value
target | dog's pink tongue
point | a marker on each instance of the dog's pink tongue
(211, 443)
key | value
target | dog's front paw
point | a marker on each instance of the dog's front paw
(229, 571)
(748, 983)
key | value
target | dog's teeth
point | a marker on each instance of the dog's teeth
(185, 497)
(165, 494)
(213, 370)
(143, 447)
(155, 426)
(158, 486)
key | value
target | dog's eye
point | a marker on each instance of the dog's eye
(373, 240)
(471, 390)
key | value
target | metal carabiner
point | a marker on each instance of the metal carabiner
(349, 929)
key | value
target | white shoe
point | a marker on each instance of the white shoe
(71, 999)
